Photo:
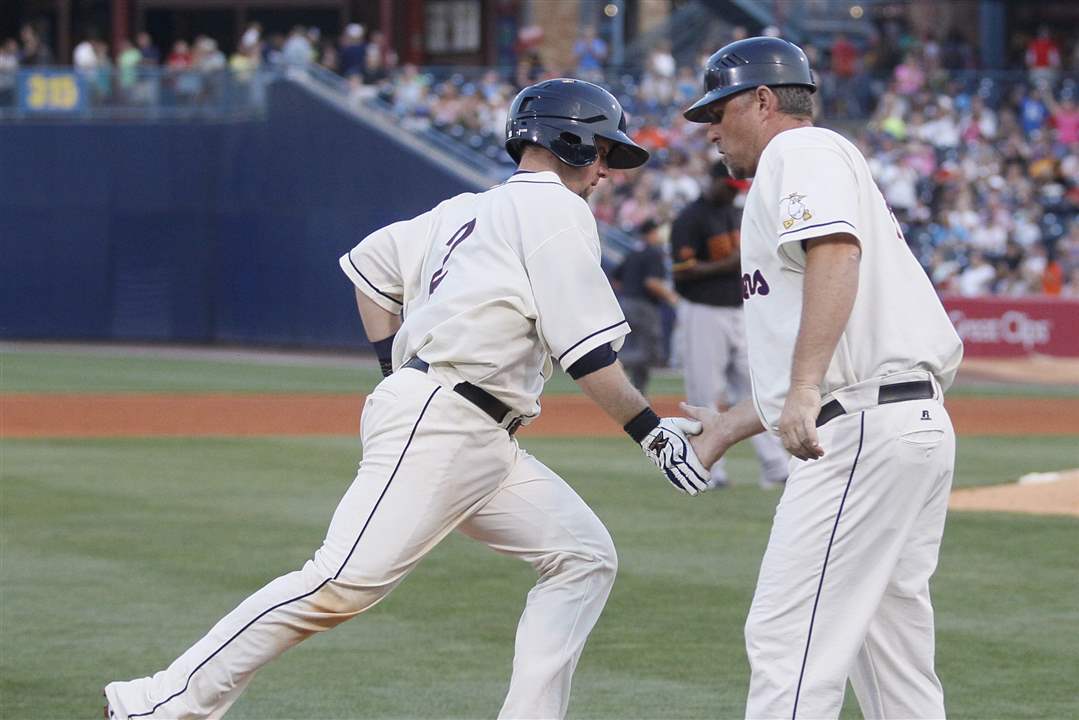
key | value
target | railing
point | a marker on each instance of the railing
(150, 93)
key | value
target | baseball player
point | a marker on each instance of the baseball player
(704, 248)
(469, 304)
(850, 352)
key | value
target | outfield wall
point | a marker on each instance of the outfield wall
(206, 232)
(198, 232)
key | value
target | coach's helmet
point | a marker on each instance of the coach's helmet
(746, 64)
(566, 116)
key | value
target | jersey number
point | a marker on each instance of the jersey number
(458, 237)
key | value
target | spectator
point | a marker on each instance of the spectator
(530, 69)
(328, 56)
(207, 57)
(182, 80)
(411, 92)
(380, 60)
(34, 50)
(245, 61)
(151, 56)
(273, 52)
(9, 66)
(252, 37)
(657, 82)
(1065, 119)
(298, 51)
(128, 61)
(909, 75)
(360, 92)
(1033, 112)
(1071, 287)
(844, 58)
(1043, 57)
(986, 164)
(978, 278)
(353, 54)
(590, 54)
(1052, 278)
(84, 57)
(104, 75)
(180, 56)
(956, 53)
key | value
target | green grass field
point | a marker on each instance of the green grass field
(116, 554)
(111, 371)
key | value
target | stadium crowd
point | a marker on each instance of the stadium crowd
(981, 168)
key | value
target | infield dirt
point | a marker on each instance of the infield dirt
(203, 415)
(137, 414)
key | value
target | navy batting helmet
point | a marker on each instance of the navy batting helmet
(566, 116)
(746, 64)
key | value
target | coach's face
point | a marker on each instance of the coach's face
(583, 180)
(735, 130)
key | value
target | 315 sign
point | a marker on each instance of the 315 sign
(51, 91)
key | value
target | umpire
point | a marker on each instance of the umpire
(705, 242)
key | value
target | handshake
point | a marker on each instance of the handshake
(666, 442)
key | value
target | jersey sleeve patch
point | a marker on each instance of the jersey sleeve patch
(818, 196)
(794, 209)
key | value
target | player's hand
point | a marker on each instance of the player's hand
(798, 422)
(668, 447)
(712, 442)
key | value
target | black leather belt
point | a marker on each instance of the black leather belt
(897, 392)
(479, 397)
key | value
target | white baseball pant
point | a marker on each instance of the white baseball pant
(844, 583)
(716, 367)
(433, 462)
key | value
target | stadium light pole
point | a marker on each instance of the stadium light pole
(615, 10)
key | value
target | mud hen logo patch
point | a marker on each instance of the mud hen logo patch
(793, 209)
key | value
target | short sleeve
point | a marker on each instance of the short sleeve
(576, 307)
(684, 238)
(818, 196)
(374, 265)
(655, 267)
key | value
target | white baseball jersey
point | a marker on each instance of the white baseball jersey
(493, 285)
(811, 182)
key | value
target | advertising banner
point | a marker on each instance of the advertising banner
(51, 91)
(1015, 326)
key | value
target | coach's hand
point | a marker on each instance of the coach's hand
(798, 422)
(667, 445)
(713, 440)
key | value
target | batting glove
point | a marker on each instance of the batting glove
(666, 443)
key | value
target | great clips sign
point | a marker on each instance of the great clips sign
(1007, 326)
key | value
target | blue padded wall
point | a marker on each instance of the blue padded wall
(199, 232)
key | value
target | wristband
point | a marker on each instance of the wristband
(384, 351)
(642, 423)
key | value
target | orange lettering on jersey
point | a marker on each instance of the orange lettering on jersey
(723, 244)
